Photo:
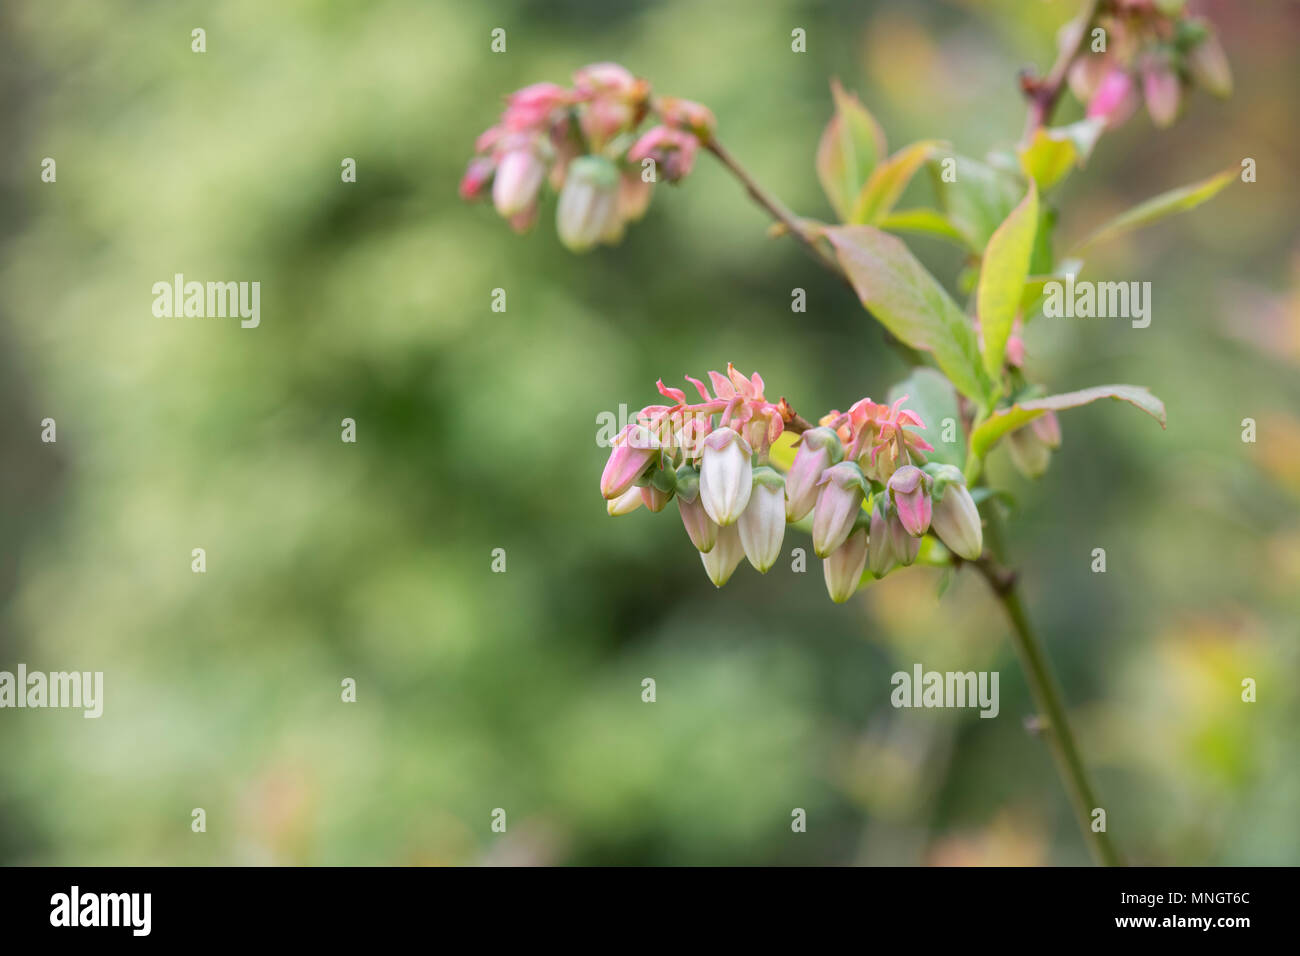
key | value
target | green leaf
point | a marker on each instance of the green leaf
(1035, 285)
(986, 435)
(850, 147)
(911, 304)
(889, 179)
(1158, 207)
(932, 397)
(929, 222)
(1002, 278)
(979, 199)
(1052, 153)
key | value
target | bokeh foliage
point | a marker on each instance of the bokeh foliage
(476, 431)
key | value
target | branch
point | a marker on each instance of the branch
(1052, 723)
(1045, 93)
(774, 207)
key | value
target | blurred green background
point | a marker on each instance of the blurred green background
(476, 430)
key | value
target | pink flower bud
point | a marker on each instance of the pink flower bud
(530, 108)
(633, 197)
(1086, 74)
(819, 448)
(477, 174)
(843, 568)
(957, 522)
(725, 556)
(688, 115)
(633, 452)
(625, 503)
(609, 78)
(1161, 90)
(1048, 428)
(614, 101)
(659, 488)
(880, 551)
(903, 545)
(1029, 453)
(1115, 99)
(519, 176)
(700, 528)
(726, 476)
(908, 488)
(654, 499)
(1208, 65)
(843, 489)
(672, 150)
(762, 523)
(588, 207)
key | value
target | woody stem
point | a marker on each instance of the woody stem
(1048, 698)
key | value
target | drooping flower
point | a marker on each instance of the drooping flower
(625, 503)
(843, 488)
(1115, 100)
(843, 567)
(700, 528)
(722, 560)
(819, 448)
(880, 551)
(762, 523)
(726, 476)
(1208, 64)
(1160, 89)
(688, 115)
(533, 108)
(1029, 453)
(614, 101)
(633, 197)
(633, 451)
(659, 490)
(909, 489)
(957, 521)
(587, 212)
(477, 175)
(519, 176)
(1048, 429)
(904, 547)
(672, 150)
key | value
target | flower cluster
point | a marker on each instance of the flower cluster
(583, 141)
(1151, 55)
(861, 474)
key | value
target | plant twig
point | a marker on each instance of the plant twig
(774, 207)
(777, 210)
(1053, 723)
(1044, 93)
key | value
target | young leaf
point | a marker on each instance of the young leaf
(1158, 207)
(929, 222)
(1002, 278)
(1052, 153)
(932, 397)
(986, 435)
(888, 180)
(979, 198)
(850, 147)
(1036, 285)
(911, 304)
